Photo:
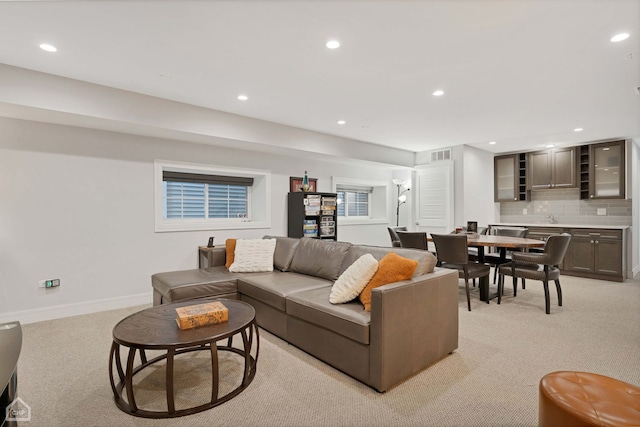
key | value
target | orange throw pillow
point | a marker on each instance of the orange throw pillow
(391, 268)
(230, 245)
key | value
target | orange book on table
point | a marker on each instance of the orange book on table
(193, 316)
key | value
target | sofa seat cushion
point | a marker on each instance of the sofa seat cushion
(188, 284)
(313, 306)
(273, 288)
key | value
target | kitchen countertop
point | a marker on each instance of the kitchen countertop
(543, 224)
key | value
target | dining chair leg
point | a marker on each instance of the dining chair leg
(495, 274)
(466, 286)
(547, 303)
(474, 283)
(515, 287)
(523, 286)
(500, 287)
(559, 292)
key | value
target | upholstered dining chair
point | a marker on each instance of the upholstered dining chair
(537, 266)
(395, 240)
(413, 239)
(451, 250)
(494, 259)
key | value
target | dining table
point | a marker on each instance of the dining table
(502, 243)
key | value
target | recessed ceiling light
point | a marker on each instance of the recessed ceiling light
(550, 145)
(620, 37)
(243, 97)
(578, 130)
(48, 47)
(341, 122)
(333, 44)
(492, 142)
(438, 93)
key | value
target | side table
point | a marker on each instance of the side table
(155, 329)
(205, 259)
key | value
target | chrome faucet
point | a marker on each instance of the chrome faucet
(551, 219)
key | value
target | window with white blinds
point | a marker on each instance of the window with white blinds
(200, 197)
(189, 195)
(354, 203)
(361, 201)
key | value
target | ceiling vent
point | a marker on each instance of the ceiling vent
(438, 156)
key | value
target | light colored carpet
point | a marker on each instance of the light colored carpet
(491, 380)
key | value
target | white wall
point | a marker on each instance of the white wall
(477, 187)
(473, 183)
(635, 208)
(77, 204)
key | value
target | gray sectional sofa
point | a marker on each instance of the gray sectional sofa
(411, 325)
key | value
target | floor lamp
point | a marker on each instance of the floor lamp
(403, 187)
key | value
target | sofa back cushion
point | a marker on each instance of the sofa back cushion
(426, 260)
(253, 255)
(285, 248)
(319, 258)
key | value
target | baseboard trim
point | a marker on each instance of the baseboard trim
(59, 311)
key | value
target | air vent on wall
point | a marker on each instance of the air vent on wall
(438, 156)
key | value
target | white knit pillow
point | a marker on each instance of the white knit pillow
(253, 255)
(353, 280)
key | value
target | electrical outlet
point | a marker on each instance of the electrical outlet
(602, 211)
(524, 211)
(50, 283)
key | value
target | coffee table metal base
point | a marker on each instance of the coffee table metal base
(125, 374)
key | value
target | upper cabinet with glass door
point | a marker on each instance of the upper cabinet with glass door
(606, 171)
(510, 178)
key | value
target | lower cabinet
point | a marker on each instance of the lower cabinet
(595, 253)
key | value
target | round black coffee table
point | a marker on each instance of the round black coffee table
(156, 329)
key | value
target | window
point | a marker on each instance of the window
(361, 201)
(190, 195)
(354, 202)
(197, 197)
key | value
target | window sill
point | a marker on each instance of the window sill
(362, 221)
(166, 227)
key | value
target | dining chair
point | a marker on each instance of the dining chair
(451, 250)
(537, 266)
(413, 239)
(496, 260)
(395, 240)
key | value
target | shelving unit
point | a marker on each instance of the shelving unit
(584, 172)
(523, 194)
(312, 214)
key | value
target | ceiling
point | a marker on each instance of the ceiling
(521, 73)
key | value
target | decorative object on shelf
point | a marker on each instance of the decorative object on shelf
(403, 187)
(210, 242)
(472, 226)
(296, 183)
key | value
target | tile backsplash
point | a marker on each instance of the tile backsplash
(565, 207)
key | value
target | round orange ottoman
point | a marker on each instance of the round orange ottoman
(569, 399)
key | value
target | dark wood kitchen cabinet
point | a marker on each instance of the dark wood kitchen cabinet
(554, 168)
(510, 178)
(596, 253)
(602, 170)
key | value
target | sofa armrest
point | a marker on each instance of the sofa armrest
(414, 323)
